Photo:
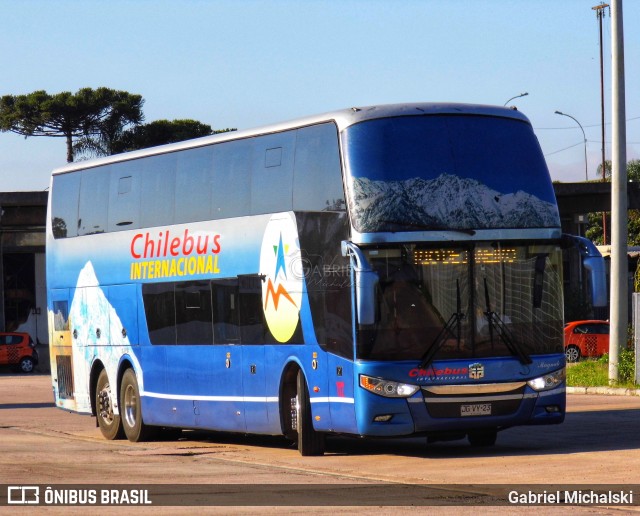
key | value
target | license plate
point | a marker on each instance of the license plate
(477, 409)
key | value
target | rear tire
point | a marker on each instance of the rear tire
(109, 422)
(310, 442)
(131, 409)
(27, 365)
(572, 353)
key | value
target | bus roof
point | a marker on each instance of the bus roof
(343, 119)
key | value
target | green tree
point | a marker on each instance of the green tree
(101, 113)
(595, 231)
(142, 136)
(161, 132)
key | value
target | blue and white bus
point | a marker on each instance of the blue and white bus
(381, 271)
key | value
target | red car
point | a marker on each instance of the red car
(18, 351)
(586, 339)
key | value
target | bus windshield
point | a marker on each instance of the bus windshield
(452, 172)
(478, 300)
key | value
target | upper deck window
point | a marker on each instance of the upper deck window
(447, 172)
(297, 169)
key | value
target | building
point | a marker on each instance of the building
(23, 295)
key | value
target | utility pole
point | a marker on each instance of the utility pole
(619, 261)
(599, 9)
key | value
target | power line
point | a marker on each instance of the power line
(566, 148)
(576, 144)
(573, 128)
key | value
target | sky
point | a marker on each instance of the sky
(248, 63)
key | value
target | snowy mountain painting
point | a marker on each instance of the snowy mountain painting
(446, 202)
(91, 311)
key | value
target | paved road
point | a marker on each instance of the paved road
(598, 444)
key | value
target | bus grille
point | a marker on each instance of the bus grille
(65, 377)
(500, 403)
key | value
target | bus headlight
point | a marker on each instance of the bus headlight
(387, 388)
(548, 381)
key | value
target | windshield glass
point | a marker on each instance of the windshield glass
(478, 300)
(447, 172)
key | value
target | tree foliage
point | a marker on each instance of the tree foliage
(100, 114)
(161, 132)
(595, 230)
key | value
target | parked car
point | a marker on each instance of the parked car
(586, 339)
(19, 351)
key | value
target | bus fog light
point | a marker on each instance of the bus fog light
(552, 409)
(387, 388)
(548, 381)
(383, 418)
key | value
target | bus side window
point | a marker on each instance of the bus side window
(61, 316)
(160, 311)
(94, 201)
(194, 184)
(226, 311)
(253, 327)
(231, 196)
(158, 185)
(317, 182)
(272, 173)
(124, 197)
(193, 313)
(64, 208)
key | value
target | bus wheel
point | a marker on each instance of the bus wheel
(572, 353)
(310, 442)
(131, 409)
(109, 423)
(481, 438)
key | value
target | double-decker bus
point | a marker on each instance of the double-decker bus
(382, 271)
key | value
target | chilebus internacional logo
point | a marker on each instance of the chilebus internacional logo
(282, 285)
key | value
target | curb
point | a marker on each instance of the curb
(611, 391)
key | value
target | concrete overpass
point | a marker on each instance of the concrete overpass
(576, 200)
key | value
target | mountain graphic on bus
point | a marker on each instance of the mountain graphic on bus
(446, 202)
(97, 323)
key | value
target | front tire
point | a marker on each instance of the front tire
(131, 409)
(310, 442)
(109, 422)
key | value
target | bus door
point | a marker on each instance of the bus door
(341, 395)
(342, 379)
(253, 332)
(225, 408)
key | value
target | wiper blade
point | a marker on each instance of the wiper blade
(447, 330)
(503, 332)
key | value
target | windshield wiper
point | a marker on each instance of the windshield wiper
(447, 330)
(501, 329)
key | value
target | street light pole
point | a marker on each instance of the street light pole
(599, 9)
(516, 97)
(586, 174)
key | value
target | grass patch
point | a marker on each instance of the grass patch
(595, 373)
(588, 373)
